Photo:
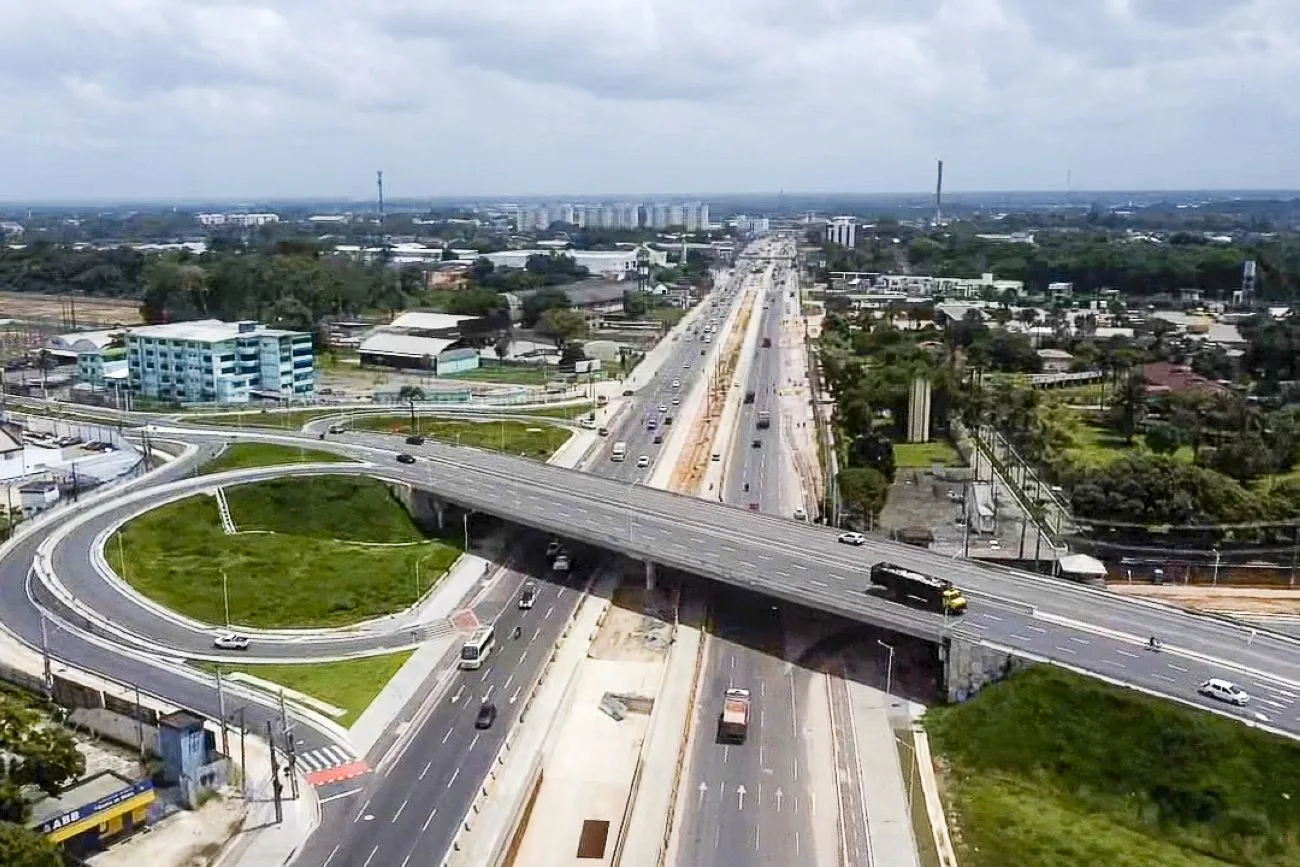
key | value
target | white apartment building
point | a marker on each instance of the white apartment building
(242, 221)
(842, 231)
(210, 361)
(694, 216)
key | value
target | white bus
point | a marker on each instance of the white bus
(619, 453)
(477, 647)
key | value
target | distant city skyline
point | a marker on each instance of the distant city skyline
(201, 100)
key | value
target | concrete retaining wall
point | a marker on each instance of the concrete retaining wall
(970, 667)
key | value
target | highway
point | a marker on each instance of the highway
(410, 810)
(760, 551)
(752, 809)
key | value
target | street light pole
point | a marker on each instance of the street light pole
(889, 667)
(225, 595)
(1216, 567)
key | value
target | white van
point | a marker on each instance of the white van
(619, 453)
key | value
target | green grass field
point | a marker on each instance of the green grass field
(351, 684)
(1051, 769)
(513, 437)
(309, 570)
(926, 454)
(1095, 446)
(239, 456)
(511, 375)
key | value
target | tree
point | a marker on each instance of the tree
(863, 490)
(634, 304)
(562, 326)
(1164, 439)
(1130, 405)
(539, 302)
(20, 847)
(875, 451)
(408, 393)
(502, 347)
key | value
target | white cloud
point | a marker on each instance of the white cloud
(193, 98)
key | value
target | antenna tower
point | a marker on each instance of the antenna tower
(383, 231)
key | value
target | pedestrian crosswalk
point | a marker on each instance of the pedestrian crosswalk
(323, 758)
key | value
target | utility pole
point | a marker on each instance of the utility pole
(243, 754)
(275, 775)
(221, 711)
(45, 658)
(139, 723)
(288, 747)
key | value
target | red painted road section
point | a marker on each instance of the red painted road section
(333, 775)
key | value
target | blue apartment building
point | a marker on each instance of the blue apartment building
(210, 361)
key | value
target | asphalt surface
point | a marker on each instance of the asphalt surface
(82, 645)
(747, 805)
(410, 811)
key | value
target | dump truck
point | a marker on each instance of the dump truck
(733, 722)
(763, 420)
(767, 342)
(917, 589)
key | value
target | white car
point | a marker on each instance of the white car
(527, 596)
(663, 407)
(676, 400)
(800, 514)
(230, 641)
(643, 461)
(677, 383)
(1224, 690)
(852, 538)
(587, 423)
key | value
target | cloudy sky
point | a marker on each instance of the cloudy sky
(103, 99)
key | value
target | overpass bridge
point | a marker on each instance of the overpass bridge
(1018, 613)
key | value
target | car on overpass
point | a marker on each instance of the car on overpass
(415, 440)
(487, 714)
(1224, 690)
(404, 458)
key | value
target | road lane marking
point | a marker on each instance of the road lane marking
(1065, 649)
(486, 672)
(991, 616)
(506, 685)
(837, 577)
(1078, 640)
(361, 812)
(1164, 677)
(1113, 662)
(1124, 652)
(537, 632)
(333, 852)
(1177, 668)
(454, 774)
(346, 794)
(799, 566)
(817, 583)
(487, 695)
(447, 735)
(426, 770)
(428, 820)
(371, 855)
(549, 612)
(473, 743)
(1036, 628)
(399, 810)
(1019, 637)
(975, 625)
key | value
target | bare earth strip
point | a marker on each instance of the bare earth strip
(1245, 600)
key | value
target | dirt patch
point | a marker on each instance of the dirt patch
(638, 626)
(185, 839)
(1242, 600)
(60, 310)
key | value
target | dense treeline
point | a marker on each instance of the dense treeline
(1091, 260)
(114, 273)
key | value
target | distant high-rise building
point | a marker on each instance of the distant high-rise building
(842, 231)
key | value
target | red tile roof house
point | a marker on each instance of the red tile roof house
(1163, 377)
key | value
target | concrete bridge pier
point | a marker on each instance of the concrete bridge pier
(969, 666)
(649, 576)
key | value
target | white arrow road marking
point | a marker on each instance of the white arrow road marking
(740, 792)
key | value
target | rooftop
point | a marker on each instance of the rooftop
(207, 331)
(421, 321)
(88, 791)
(405, 345)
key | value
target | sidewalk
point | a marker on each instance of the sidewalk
(889, 822)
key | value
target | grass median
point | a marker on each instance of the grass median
(310, 553)
(1050, 769)
(350, 685)
(242, 456)
(538, 440)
